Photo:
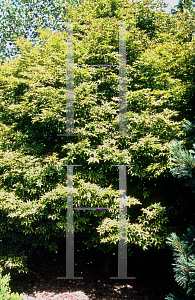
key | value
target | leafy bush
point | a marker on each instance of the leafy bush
(5, 292)
(33, 93)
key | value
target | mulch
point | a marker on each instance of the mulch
(153, 278)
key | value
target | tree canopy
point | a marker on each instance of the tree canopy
(23, 18)
(160, 89)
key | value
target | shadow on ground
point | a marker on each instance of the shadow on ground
(152, 269)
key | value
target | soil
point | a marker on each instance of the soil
(152, 269)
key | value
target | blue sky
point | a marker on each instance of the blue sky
(171, 3)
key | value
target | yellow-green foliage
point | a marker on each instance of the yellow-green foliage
(5, 292)
(33, 111)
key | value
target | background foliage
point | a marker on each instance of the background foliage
(23, 18)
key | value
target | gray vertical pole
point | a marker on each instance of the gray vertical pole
(122, 244)
(122, 80)
(70, 228)
(70, 83)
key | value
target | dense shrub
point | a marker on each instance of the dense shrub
(5, 292)
(33, 192)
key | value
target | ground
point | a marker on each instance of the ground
(153, 272)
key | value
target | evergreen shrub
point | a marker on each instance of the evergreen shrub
(184, 266)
